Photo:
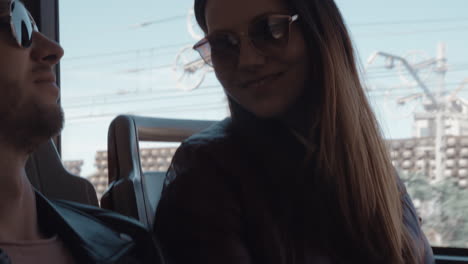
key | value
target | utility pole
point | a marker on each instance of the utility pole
(436, 105)
(441, 69)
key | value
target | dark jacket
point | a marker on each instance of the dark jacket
(94, 235)
(226, 200)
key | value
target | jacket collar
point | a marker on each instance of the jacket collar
(282, 158)
(267, 137)
(83, 234)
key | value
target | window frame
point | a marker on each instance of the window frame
(450, 255)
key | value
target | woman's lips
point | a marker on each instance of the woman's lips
(262, 82)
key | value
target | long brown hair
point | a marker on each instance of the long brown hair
(352, 159)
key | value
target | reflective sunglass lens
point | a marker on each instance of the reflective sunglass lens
(22, 24)
(270, 28)
(270, 34)
(204, 50)
(224, 49)
(278, 28)
(224, 42)
(26, 39)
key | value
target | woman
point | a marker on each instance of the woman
(300, 173)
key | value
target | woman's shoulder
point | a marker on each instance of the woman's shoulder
(217, 133)
(214, 141)
(203, 152)
(199, 174)
(199, 204)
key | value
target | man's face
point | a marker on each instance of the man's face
(29, 113)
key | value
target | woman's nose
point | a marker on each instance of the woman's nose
(249, 56)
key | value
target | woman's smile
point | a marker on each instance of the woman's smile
(262, 83)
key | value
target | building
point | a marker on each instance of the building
(454, 121)
(152, 159)
(414, 155)
(73, 166)
(418, 155)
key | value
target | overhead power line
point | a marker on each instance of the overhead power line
(411, 21)
(357, 24)
(212, 90)
(128, 93)
(364, 24)
(414, 32)
(158, 21)
(204, 91)
(401, 91)
(160, 110)
(370, 75)
(116, 53)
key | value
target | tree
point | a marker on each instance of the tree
(443, 207)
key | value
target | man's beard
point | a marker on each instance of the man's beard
(28, 125)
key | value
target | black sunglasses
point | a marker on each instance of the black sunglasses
(22, 24)
(268, 34)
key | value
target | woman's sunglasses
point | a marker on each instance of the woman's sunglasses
(21, 24)
(268, 34)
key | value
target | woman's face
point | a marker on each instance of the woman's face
(265, 84)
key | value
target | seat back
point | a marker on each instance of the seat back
(132, 192)
(47, 174)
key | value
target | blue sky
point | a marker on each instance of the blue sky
(114, 65)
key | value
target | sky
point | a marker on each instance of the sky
(125, 57)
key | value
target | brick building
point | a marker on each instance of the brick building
(152, 159)
(418, 155)
(408, 156)
(73, 166)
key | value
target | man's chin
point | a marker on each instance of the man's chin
(32, 125)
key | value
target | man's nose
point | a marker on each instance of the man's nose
(45, 50)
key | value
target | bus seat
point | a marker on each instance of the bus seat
(47, 174)
(131, 191)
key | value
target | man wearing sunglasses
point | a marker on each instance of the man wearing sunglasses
(34, 229)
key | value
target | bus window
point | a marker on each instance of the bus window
(415, 69)
(129, 59)
(136, 58)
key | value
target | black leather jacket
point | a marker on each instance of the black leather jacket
(94, 235)
(229, 189)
